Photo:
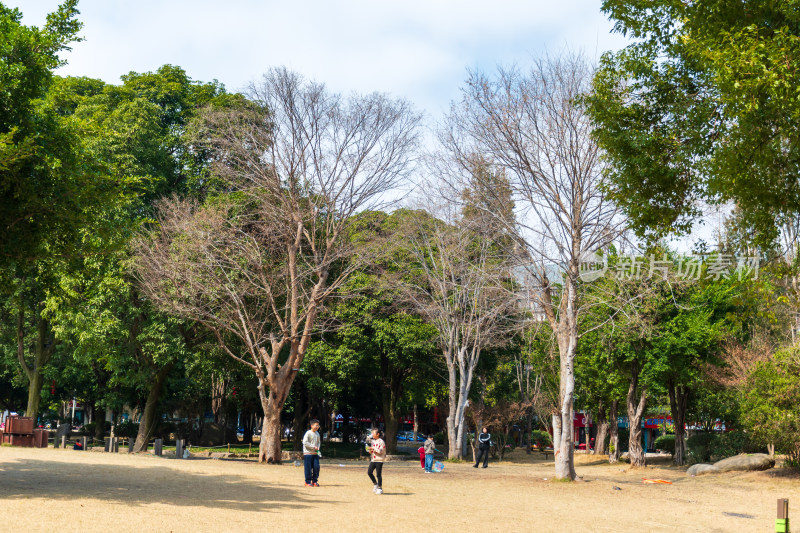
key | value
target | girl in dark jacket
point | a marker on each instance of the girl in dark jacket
(484, 443)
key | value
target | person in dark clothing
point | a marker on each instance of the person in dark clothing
(484, 443)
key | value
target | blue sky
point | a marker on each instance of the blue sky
(418, 50)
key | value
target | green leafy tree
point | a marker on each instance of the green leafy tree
(701, 106)
(137, 130)
(45, 180)
(770, 406)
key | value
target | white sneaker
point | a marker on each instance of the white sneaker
(379, 491)
(375, 489)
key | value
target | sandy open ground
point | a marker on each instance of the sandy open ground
(66, 490)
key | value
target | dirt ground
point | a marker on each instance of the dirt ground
(66, 490)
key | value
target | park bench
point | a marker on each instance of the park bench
(547, 453)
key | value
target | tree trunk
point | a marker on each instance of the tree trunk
(587, 433)
(635, 413)
(390, 424)
(43, 352)
(34, 394)
(273, 395)
(529, 430)
(613, 431)
(298, 421)
(455, 426)
(602, 431)
(392, 380)
(564, 454)
(147, 425)
(219, 386)
(678, 401)
(455, 418)
(269, 449)
(99, 423)
(416, 423)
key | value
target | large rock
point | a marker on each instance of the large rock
(746, 462)
(700, 469)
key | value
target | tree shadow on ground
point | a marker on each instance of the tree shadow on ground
(144, 485)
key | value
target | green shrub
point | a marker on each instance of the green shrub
(126, 429)
(88, 429)
(732, 443)
(665, 443)
(700, 446)
(541, 438)
(440, 438)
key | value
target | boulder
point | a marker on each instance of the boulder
(745, 463)
(700, 469)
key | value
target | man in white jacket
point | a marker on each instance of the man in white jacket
(311, 455)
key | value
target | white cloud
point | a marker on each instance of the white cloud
(415, 49)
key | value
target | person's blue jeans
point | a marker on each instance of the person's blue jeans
(311, 466)
(429, 462)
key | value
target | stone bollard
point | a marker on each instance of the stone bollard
(63, 441)
(157, 446)
(115, 445)
(107, 444)
(84, 443)
(131, 445)
(179, 443)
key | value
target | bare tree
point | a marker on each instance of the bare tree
(462, 290)
(533, 126)
(257, 265)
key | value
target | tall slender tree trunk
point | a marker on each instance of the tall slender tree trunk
(459, 380)
(678, 402)
(602, 430)
(416, 423)
(613, 431)
(99, 422)
(587, 433)
(147, 425)
(635, 412)
(529, 431)
(392, 380)
(391, 422)
(219, 386)
(298, 420)
(564, 454)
